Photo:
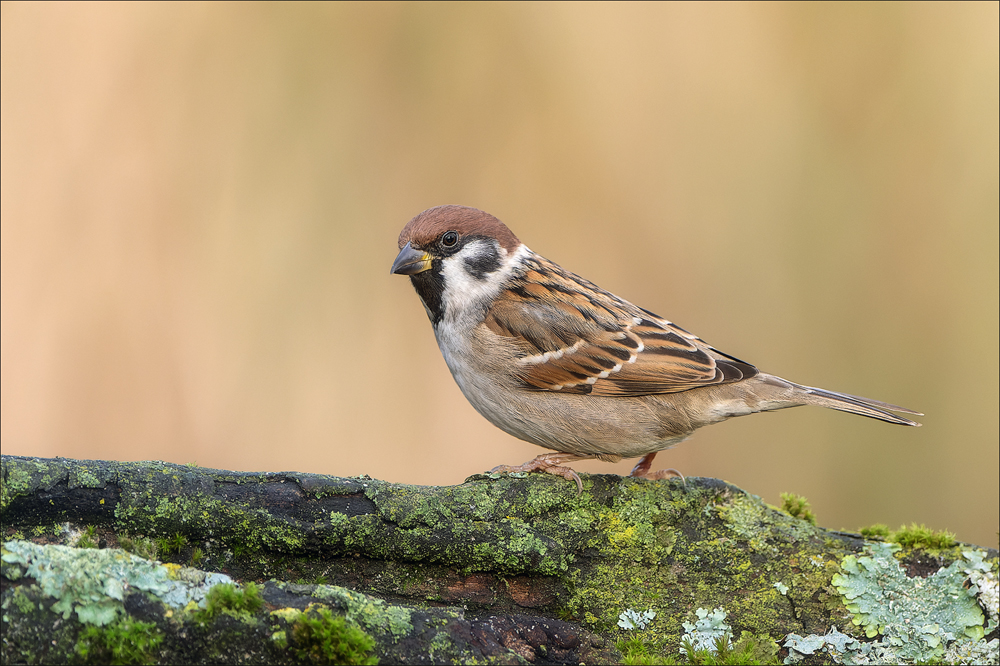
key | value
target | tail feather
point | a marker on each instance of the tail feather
(854, 404)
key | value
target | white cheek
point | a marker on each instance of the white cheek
(465, 295)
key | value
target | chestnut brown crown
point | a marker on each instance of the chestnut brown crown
(425, 228)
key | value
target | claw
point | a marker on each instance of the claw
(641, 470)
(550, 463)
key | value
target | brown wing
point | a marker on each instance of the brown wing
(578, 338)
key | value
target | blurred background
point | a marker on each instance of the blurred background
(200, 205)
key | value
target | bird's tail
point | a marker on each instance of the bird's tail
(854, 404)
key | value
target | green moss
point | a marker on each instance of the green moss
(440, 646)
(797, 506)
(88, 539)
(145, 548)
(170, 545)
(21, 602)
(81, 476)
(173, 500)
(416, 524)
(749, 649)
(227, 598)
(921, 536)
(635, 528)
(318, 637)
(22, 477)
(728, 555)
(636, 652)
(123, 642)
(876, 531)
(634, 533)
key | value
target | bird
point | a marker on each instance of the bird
(551, 358)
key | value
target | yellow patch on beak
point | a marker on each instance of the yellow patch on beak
(411, 261)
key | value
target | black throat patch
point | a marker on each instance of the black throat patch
(430, 288)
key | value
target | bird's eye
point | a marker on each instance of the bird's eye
(449, 238)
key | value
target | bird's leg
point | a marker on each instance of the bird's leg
(641, 470)
(642, 467)
(550, 463)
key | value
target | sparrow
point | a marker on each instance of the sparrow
(555, 360)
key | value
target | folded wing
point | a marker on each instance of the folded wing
(578, 338)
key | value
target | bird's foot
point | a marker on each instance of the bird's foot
(641, 470)
(550, 463)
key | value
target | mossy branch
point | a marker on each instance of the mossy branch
(508, 568)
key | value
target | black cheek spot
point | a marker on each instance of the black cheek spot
(482, 264)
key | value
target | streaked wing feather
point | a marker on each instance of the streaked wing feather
(577, 338)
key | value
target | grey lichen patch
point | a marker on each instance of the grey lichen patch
(708, 627)
(839, 646)
(972, 652)
(918, 619)
(844, 649)
(190, 586)
(90, 582)
(369, 612)
(748, 516)
(984, 584)
(93, 583)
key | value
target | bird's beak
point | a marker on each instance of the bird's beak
(411, 261)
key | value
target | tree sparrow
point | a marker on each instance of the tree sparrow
(555, 360)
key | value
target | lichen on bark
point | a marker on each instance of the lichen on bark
(524, 568)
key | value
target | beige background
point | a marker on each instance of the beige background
(200, 205)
